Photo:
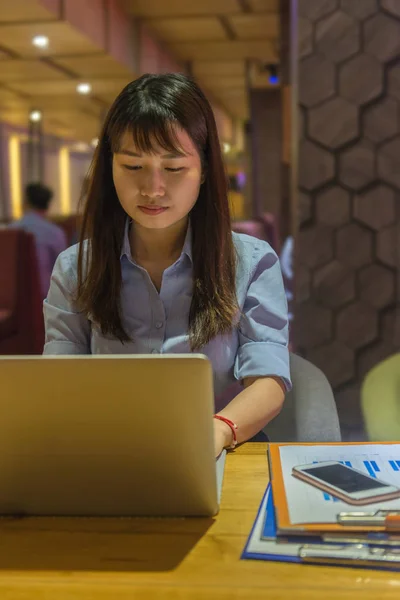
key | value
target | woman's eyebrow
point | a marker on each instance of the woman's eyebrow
(176, 154)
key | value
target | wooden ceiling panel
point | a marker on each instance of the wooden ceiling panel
(67, 87)
(172, 8)
(64, 39)
(4, 55)
(27, 70)
(68, 124)
(266, 5)
(217, 83)
(220, 68)
(65, 103)
(200, 29)
(259, 27)
(23, 10)
(72, 124)
(230, 50)
(11, 99)
(94, 66)
(236, 102)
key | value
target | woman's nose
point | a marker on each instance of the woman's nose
(153, 185)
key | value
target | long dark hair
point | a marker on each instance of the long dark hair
(147, 108)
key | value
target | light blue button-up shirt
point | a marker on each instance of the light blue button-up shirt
(158, 322)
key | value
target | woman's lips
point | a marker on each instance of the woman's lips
(153, 210)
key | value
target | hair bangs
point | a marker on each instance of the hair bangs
(150, 132)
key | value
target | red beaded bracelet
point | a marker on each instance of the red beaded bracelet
(233, 427)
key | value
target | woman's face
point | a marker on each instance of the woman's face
(147, 182)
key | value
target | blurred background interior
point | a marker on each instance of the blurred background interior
(306, 96)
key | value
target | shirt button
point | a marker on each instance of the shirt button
(155, 351)
(159, 324)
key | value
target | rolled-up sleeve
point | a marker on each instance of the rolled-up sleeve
(67, 330)
(263, 328)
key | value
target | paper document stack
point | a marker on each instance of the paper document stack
(336, 504)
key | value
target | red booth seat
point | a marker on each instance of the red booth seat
(21, 312)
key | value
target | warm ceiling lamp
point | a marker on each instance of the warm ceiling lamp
(40, 41)
(35, 116)
(84, 88)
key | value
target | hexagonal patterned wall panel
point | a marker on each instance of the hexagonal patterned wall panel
(382, 37)
(357, 165)
(357, 325)
(377, 285)
(334, 285)
(347, 297)
(316, 81)
(392, 6)
(333, 206)
(317, 171)
(389, 162)
(365, 207)
(354, 246)
(381, 121)
(361, 79)
(359, 9)
(324, 128)
(394, 81)
(315, 9)
(337, 36)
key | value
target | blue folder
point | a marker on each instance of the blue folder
(263, 544)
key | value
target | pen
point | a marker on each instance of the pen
(356, 552)
(390, 520)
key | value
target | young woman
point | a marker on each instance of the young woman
(158, 269)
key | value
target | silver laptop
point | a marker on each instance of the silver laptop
(108, 435)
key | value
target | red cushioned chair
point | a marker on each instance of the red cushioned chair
(21, 303)
(70, 225)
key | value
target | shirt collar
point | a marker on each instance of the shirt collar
(126, 246)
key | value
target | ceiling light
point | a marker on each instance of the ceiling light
(84, 88)
(95, 142)
(35, 116)
(40, 41)
(226, 147)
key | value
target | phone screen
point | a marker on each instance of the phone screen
(344, 478)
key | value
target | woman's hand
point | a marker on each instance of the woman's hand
(222, 436)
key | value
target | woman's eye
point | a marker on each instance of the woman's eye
(130, 168)
(137, 168)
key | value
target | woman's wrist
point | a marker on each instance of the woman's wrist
(226, 431)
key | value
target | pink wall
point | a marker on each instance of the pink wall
(152, 57)
(54, 6)
(89, 17)
(121, 34)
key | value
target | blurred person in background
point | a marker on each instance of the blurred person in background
(50, 239)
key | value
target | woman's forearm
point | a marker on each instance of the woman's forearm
(259, 403)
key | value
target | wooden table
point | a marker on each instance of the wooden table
(179, 559)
